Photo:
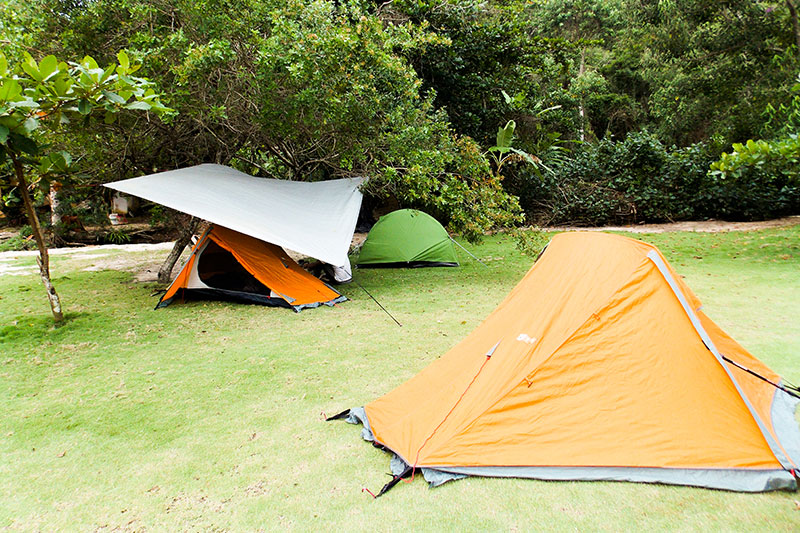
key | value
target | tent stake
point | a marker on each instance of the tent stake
(377, 302)
(470, 253)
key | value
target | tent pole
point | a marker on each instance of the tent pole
(470, 254)
(790, 390)
(377, 302)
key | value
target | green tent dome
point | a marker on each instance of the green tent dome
(407, 238)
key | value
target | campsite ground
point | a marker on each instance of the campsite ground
(209, 415)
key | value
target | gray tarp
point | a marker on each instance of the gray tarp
(316, 219)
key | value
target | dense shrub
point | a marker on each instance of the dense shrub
(615, 182)
(759, 179)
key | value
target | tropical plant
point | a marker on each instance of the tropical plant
(502, 152)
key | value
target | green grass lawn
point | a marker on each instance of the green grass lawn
(209, 416)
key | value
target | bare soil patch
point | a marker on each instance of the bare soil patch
(710, 226)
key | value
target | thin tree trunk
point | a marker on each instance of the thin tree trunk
(795, 25)
(44, 259)
(55, 205)
(581, 110)
(56, 227)
(185, 237)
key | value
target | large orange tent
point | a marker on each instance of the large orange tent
(226, 264)
(599, 365)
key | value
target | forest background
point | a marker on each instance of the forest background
(484, 113)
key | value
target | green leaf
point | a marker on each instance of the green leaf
(123, 59)
(3, 134)
(89, 63)
(108, 72)
(84, 107)
(505, 135)
(110, 117)
(114, 97)
(23, 144)
(10, 90)
(48, 67)
(158, 107)
(30, 124)
(533, 160)
(62, 85)
(30, 67)
(27, 103)
(3, 65)
(96, 74)
(58, 161)
(44, 165)
(139, 105)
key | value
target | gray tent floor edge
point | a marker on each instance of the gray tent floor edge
(733, 479)
(358, 415)
(739, 480)
(407, 264)
(224, 295)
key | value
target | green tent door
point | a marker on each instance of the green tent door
(407, 238)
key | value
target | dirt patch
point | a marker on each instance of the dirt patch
(120, 257)
(142, 272)
(709, 226)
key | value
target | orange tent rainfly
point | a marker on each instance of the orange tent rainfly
(225, 264)
(599, 365)
(241, 257)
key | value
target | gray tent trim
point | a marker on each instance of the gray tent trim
(736, 480)
(358, 415)
(740, 480)
(784, 424)
(773, 446)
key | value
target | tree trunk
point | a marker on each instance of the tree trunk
(55, 205)
(185, 237)
(795, 25)
(56, 227)
(581, 110)
(44, 259)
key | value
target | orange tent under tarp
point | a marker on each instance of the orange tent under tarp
(599, 365)
(225, 264)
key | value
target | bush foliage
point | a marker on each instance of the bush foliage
(638, 179)
(758, 179)
(410, 94)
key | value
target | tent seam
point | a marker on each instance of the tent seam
(566, 339)
(192, 256)
(705, 338)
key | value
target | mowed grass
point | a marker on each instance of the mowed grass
(209, 415)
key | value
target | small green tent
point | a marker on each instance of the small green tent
(407, 238)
